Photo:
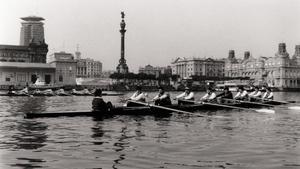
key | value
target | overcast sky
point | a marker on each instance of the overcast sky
(158, 31)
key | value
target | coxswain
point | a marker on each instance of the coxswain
(255, 95)
(162, 98)
(185, 97)
(210, 95)
(225, 96)
(268, 95)
(242, 94)
(98, 104)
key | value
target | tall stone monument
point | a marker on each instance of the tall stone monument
(122, 67)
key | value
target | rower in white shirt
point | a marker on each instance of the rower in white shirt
(268, 95)
(255, 95)
(209, 96)
(137, 96)
(242, 94)
(186, 95)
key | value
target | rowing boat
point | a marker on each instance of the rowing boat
(137, 110)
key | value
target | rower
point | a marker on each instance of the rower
(37, 91)
(255, 95)
(98, 104)
(162, 98)
(242, 94)
(48, 92)
(138, 95)
(210, 95)
(86, 91)
(268, 95)
(60, 91)
(225, 96)
(11, 90)
(187, 95)
(75, 92)
(24, 90)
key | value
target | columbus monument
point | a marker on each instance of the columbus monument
(122, 67)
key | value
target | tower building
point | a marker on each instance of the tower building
(32, 31)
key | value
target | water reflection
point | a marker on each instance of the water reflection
(31, 135)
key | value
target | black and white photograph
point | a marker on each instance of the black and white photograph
(150, 84)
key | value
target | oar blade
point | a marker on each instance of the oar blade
(269, 111)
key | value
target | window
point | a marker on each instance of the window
(60, 78)
(7, 79)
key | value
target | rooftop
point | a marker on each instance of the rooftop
(25, 65)
(32, 18)
(13, 47)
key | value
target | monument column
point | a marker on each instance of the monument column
(122, 67)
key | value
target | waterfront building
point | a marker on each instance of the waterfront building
(66, 68)
(24, 64)
(22, 74)
(87, 68)
(280, 71)
(187, 67)
(122, 67)
(151, 70)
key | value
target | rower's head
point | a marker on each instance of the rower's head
(268, 89)
(241, 88)
(226, 89)
(98, 93)
(139, 88)
(161, 90)
(256, 88)
(187, 90)
(209, 90)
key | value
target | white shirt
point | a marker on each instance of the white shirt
(138, 96)
(209, 96)
(255, 94)
(186, 96)
(270, 95)
(25, 90)
(241, 94)
(157, 97)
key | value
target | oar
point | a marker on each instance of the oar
(242, 101)
(233, 107)
(165, 108)
(278, 101)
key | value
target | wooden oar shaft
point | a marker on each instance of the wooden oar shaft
(219, 105)
(242, 101)
(162, 107)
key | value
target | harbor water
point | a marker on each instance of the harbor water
(230, 139)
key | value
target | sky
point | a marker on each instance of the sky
(158, 31)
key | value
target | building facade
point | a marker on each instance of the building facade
(22, 74)
(280, 71)
(66, 68)
(87, 68)
(151, 70)
(187, 67)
